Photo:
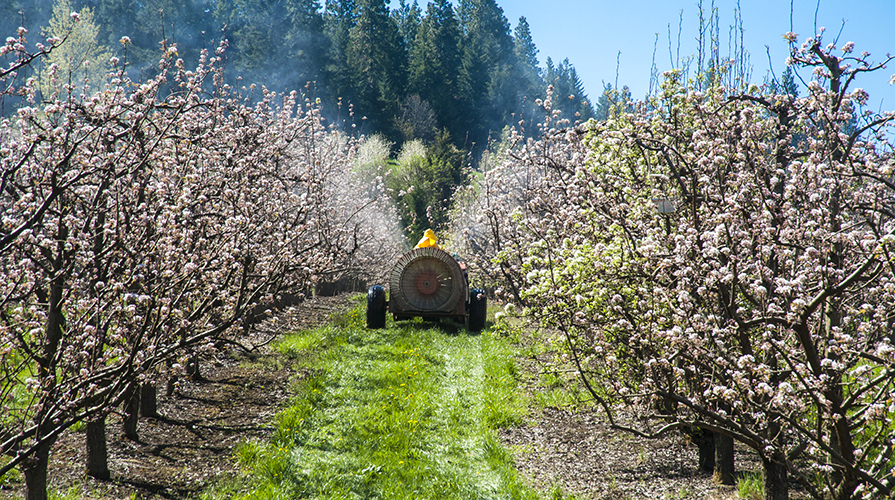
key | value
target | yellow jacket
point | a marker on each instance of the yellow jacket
(428, 240)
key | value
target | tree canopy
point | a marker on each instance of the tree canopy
(717, 260)
(365, 60)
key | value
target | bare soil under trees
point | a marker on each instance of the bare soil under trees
(189, 447)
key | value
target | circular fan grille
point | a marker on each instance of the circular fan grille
(426, 284)
(427, 279)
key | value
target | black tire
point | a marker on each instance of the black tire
(478, 309)
(376, 307)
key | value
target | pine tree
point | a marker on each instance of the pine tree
(408, 18)
(487, 59)
(119, 18)
(613, 102)
(304, 41)
(435, 65)
(525, 48)
(249, 33)
(530, 84)
(264, 35)
(339, 18)
(190, 25)
(789, 83)
(786, 85)
(10, 19)
(568, 91)
(376, 64)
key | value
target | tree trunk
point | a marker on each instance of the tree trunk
(776, 485)
(131, 414)
(35, 472)
(97, 451)
(724, 460)
(705, 443)
(35, 466)
(171, 385)
(148, 400)
(192, 367)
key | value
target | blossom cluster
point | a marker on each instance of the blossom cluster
(717, 259)
(149, 220)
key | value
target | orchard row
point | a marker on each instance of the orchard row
(717, 261)
(140, 228)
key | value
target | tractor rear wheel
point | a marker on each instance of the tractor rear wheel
(376, 307)
(478, 310)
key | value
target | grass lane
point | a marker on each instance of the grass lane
(410, 411)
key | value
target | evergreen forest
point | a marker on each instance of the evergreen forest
(404, 71)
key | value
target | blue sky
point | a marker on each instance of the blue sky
(591, 34)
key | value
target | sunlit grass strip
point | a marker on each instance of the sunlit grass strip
(405, 412)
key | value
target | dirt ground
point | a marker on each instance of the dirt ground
(580, 453)
(190, 446)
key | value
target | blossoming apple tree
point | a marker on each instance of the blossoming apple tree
(723, 260)
(142, 221)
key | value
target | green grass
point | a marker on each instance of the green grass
(14, 476)
(750, 486)
(556, 389)
(409, 411)
(74, 492)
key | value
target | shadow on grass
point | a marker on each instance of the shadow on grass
(446, 325)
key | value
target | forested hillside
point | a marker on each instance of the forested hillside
(408, 72)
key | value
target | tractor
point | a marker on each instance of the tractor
(429, 283)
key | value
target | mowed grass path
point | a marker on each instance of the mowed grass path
(409, 411)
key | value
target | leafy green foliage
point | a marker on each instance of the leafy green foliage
(423, 186)
(81, 60)
(13, 476)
